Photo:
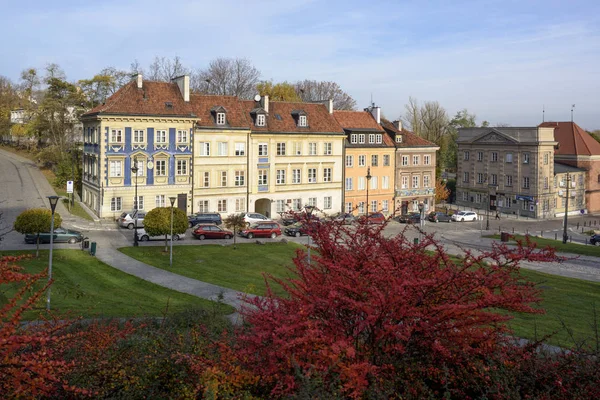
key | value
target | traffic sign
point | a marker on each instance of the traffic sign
(69, 186)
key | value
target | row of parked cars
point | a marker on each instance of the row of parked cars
(438, 216)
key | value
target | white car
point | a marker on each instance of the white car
(251, 218)
(144, 237)
(464, 216)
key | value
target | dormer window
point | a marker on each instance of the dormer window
(221, 118)
(260, 120)
(300, 117)
(398, 138)
(378, 139)
(218, 113)
(302, 120)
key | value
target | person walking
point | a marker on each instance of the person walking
(497, 215)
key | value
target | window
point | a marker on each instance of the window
(494, 179)
(298, 148)
(263, 149)
(138, 136)
(386, 160)
(280, 177)
(182, 136)
(466, 156)
(361, 183)
(116, 136)
(262, 177)
(509, 180)
(415, 182)
(312, 201)
(140, 165)
(404, 161)
(374, 160)
(161, 136)
(525, 158)
(349, 161)
(116, 169)
(161, 167)
(260, 120)
(546, 182)
(480, 156)
(221, 118)
(426, 179)
(296, 176)
(312, 175)
(222, 148)
(361, 207)
(385, 182)
(416, 160)
(182, 167)
(349, 185)
(327, 149)
(405, 182)
(160, 200)
(509, 157)
(240, 178)
(206, 179)
(139, 204)
(465, 177)
(349, 207)
(378, 139)
(281, 149)
(524, 205)
(556, 181)
(525, 182)
(494, 156)
(480, 177)
(326, 174)
(279, 206)
(373, 183)
(204, 149)
(465, 196)
(371, 138)
(223, 178)
(362, 161)
(353, 138)
(327, 202)
(385, 205)
(373, 205)
(546, 158)
(240, 205)
(361, 138)
(240, 149)
(222, 205)
(312, 149)
(478, 198)
(426, 160)
(116, 204)
(302, 121)
(297, 204)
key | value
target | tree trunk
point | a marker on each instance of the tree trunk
(166, 243)
(37, 248)
(234, 238)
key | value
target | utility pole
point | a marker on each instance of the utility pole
(565, 236)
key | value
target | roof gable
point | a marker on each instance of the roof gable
(357, 121)
(572, 139)
(494, 136)
(409, 139)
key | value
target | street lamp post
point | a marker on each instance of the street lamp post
(565, 236)
(368, 180)
(135, 170)
(172, 199)
(53, 201)
(309, 210)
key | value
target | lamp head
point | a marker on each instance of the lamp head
(172, 199)
(135, 168)
(369, 173)
(53, 201)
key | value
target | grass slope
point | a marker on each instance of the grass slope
(574, 248)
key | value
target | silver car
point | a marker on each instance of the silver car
(144, 237)
(127, 220)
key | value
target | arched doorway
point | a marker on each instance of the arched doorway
(263, 206)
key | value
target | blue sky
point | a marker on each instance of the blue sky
(502, 60)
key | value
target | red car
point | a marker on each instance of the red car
(210, 231)
(262, 229)
(374, 218)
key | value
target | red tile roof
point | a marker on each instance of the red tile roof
(356, 120)
(280, 119)
(572, 139)
(409, 139)
(234, 112)
(152, 99)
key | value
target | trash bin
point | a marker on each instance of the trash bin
(93, 249)
(416, 240)
(86, 243)
(504, 237)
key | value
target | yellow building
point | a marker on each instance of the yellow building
(369, 162)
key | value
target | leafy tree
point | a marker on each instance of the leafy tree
(8, 101)
(441, 191)
(35, 221)
(158, 222)
(310, 90)
(227, 76)
(236, 223)
(282, 91)
(103, 85)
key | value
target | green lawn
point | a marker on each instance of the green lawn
(240, 269)
(584, 250)
(87, 287)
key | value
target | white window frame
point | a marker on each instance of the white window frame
(160, 166)
(204, 148)
(116, 168)
(240, 205)
(426, 159)
(312, 175)
(206, 179)
(374, 160)
(279, 206)
(312, 149)
(416, 160)
(405, 161)
(525, 158)
(263, 177)
(222, 148)
(220, 119)
(296, 176)
(139, 135)
(280, 177)
(405, 182)
(181, 167)
(261, 120)
(327, 202)
(349, 184)
(361, 183)
(494, 156)
(371, 138)
(312, 202)
(281, 148)
(378, 139)
(116, 136)
(222, 205)
(362, 160)
(508, 158)
(415, 182)
(327, 148)
(349, 161)
(385, 182)
(223, 178)
(140, 203)
(354, 138)
(302, 121)
(361, 138)
(526, 182)
(160, 136)
(160, 200)
(373, 184)
(349, 207)
(426, 181)
(116, 204)
(263, 150)
(386, 160)
(385, 205)
(466, 156)
(298, 148)
(182, 136)
(240, 149)
(240, 178)
(203, 206)
(327, 173)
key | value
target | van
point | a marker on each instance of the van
(204, 218)
(127, 219)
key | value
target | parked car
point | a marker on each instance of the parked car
(204, 218)
(250, 218)
(595, 239)
(127, 219)
(262, 229)
(288, 219)
(144, 237)
(464, 216)
(375, 218)
(211, 231)
(298, 229)
(61, 235)
(438, 216)
(345, 218)
(410, 218)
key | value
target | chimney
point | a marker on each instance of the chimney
(139, 81)
(183, 82)
(376, 112)
(265, 103)
(397, 124)
(330, 106)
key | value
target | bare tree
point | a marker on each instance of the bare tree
(164, 69)
(227, 76)
(54, 71)
(412, 116)
(136, 68)
(309, 90)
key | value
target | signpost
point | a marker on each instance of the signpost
(70, 190)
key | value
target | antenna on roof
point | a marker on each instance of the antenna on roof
(372, 104)
(572, 107)
(543, 113)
